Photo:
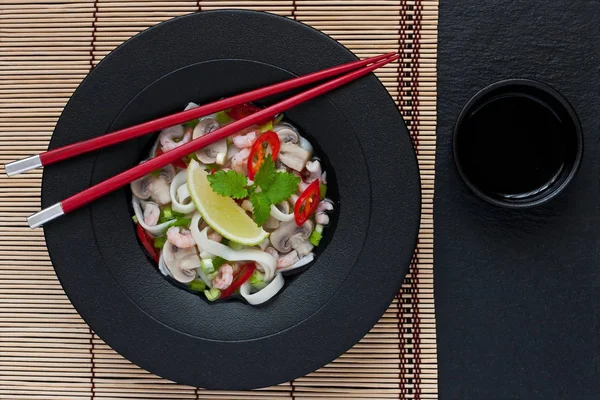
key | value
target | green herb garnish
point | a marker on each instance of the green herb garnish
(275, 187)
(261, 207)
(229, 184)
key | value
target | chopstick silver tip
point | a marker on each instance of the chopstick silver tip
(47, 214)
(20, 166)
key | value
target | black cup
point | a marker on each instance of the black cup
(517, 143)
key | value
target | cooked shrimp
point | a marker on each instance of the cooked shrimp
(181, 238)
(238, 162)
(284, 261)
(316, 172)
(169, 135)
(322, 219)
(288, 260)
(225, 277)
(321, 216)
(231, 151)
(272, 251)
(151, 214)
(244, 141)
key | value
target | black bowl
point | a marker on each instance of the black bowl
(517, 143)
(323, 311)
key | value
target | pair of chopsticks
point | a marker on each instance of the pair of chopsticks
(357, 68)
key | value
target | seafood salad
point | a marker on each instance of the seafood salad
(233, 219)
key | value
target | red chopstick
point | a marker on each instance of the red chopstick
(88, 195)
(53, 156)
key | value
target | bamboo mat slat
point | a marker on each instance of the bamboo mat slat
(46, 350)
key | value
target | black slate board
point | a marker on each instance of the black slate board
(518, 292)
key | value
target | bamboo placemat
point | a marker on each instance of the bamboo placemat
(46, 350)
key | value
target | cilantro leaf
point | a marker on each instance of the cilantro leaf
(266, 173)
(229, 184)
(261, 207)
(283, 186)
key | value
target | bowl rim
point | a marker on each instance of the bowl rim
(389, 287)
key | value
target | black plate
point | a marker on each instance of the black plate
(323, 311)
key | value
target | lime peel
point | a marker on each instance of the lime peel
(222, 214)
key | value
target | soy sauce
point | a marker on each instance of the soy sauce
(512, 146)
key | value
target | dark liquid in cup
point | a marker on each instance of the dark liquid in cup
(512, 147)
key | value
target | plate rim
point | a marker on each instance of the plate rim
(325, 38)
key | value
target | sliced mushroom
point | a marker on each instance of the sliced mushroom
(279, 213)
(286, 133)
(304, 248)
(155, 186)
(271, 224)
(190, 105)
(206, 125)
(293, 156)
(305, 144)
(290, 236)
(216, 152)
(170, 137)
(181, 263)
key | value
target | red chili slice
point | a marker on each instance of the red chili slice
(307, 203)
(177, 163)
(245, 274)
(257, 152)
(244, 110)
(147, 242)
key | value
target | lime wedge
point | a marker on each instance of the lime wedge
(221, 213)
